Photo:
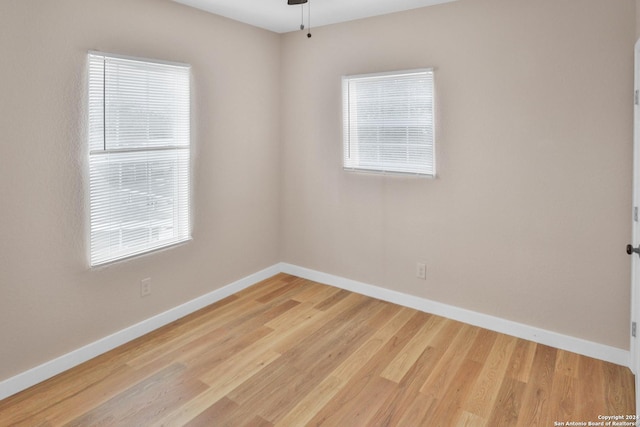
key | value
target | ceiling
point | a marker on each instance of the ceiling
(278, 16)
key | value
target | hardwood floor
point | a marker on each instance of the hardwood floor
(290, 352)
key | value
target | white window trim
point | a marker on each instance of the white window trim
(346, 142)
(186, 149)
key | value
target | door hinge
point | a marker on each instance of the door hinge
(635, 213)
(633, 329)
(636, 98)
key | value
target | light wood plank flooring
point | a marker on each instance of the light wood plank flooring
(291, 352)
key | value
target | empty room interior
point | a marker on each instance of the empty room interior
(354, 213)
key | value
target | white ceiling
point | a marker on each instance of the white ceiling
(278, 16)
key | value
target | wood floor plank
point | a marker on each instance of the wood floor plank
(363, 355)
(311, 404)
(271, 284)
(333, 299)
(485, 391)
(356, 402)
(443, 373)
(567, 363)
(91, 397)
(218, 351)
(225, 321)
(450, 403)
(318, 324)
(343, 329)
(364, 397)
(232, 372)
(56, 390)
(313, 361)
(185, 332)
(591, 377)
(482, 345)
(290, 319)
(535, 410)
(414, 348)
(522, 360)
(226, 413)
(328, 388)
(373, 367)
(227, 377)
(292, 352)
(257, 421)
(146, 402)
(467, 419)
(213, 415)
(417, 411)
(619, 388)
(315, 293)
(285, 340)
(407, 395)
(325, 337)
(563, 397)
(506, 408)
(238, 336)
(60, 409)
(280, 292)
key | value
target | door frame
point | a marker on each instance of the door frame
(634, 345)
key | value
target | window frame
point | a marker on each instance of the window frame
(176, 156)
(348, 144)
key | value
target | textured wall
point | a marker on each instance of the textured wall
(50, 301)
(530, 212)
(637, 19)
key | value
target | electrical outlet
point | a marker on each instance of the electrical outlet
(421, 270)
(145, 287)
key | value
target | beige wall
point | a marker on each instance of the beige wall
(529, 215)
(50, 302)
(637, 19)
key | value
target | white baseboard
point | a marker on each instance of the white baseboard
(520, 330)
(49, 369)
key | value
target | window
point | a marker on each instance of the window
(139, 142)
(388, 122)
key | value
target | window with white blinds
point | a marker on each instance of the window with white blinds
(389, 122)
(139, 161)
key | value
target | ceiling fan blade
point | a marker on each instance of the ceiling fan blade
(294, 2)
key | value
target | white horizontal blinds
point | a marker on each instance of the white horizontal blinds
(388, 122)
(139, 141)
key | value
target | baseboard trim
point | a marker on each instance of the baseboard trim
(520, 330)
(67, 361)
(74, 358)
